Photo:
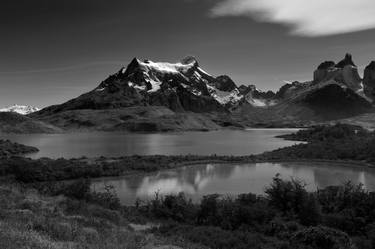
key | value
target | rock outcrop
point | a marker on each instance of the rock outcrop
(369, 80)
(345, 72)
(347, 61)
(225, 83)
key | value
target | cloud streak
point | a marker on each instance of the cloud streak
(305, 17)
(61, 69)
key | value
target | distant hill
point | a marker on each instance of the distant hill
(11, 122)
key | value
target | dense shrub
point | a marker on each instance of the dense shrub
(176, 207)
(293, 217)
(107, 199)
(81, 190)
(326, 133)
(322, 238)
(287, 196)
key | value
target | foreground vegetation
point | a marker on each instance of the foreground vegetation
(38, 209)
(286, 217)
(30, 220)
(70, 215)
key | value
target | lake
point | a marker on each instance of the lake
(115, 144)
(231, 179)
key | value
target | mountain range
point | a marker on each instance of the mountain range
(159, 96)
(21, 109)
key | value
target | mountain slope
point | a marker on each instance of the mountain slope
(336, 92)
(11, 122)
(132, 119)
(194, 99)
(182, 86)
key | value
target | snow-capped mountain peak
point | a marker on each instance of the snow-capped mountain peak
(186, 80)
(21, 109)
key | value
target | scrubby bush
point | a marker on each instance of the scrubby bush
(287, 196)
(310, 213)
(208, 210)
(322, 238)
(107, 199)
(175, 207)
(81, 190)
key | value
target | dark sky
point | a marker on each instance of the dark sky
(52, 51)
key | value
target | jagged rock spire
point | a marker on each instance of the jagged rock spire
(346, 61)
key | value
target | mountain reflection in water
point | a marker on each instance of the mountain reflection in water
(232, 179)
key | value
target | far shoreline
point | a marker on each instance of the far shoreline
(88, 131)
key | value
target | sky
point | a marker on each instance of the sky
(52, 51)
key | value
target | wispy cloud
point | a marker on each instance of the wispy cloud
(305, 17)
(62, 69)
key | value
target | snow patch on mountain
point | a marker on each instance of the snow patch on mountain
(190, 76)
(165, 67)
(225, 97)
(361, 92)
(257, 102)
(100, 89)
(204, 72)
(21, 109)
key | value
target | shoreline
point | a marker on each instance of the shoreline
(343, 163)
(47, 170)
(87, 131)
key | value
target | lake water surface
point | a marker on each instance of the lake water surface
(114, 144)
(199, 180)
(231, 179)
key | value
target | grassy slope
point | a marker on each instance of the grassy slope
(133, 119)
(16, 123)
(29, 220)
(8, 148)
(366, 120)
